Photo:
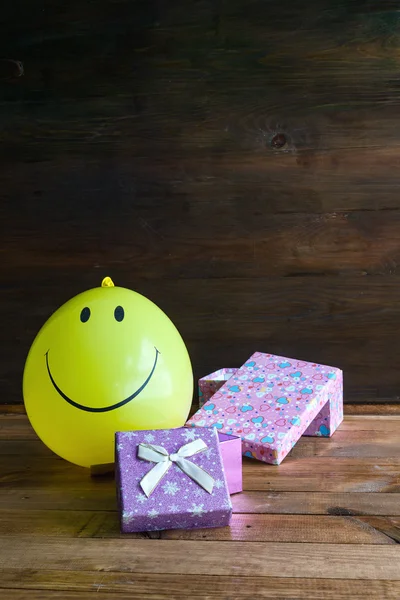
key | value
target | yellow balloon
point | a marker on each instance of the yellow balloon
(108, 360)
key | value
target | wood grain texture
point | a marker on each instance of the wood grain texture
(343, 481)
(302, 470)
(16, 409)
(315, 503)
(244, 527)
(59, 533)
(334, 561)
(284, 316)
(236, 162)
(358, 419)
(264, 244)
(373, 410)
(27, 584)
(102, 497)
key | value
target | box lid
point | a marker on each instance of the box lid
(176, 501)
(270, 401)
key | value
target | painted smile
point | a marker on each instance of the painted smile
(105, 408)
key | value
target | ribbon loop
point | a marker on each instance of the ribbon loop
(160, 455)
(192, 448)
(152, 453)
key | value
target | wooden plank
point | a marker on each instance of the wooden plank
(59, 523)
(267, 314)
(319, 463)
(294, 528)
(373, 410)
(24, 482)
(28, 584)
(362, 421)
(339, 243)
(310, 121)
(331, 482)
(102, 498)
(36, 447)
(16, 427)
(357, 301)
(361, 448)
(390, 526)
(17, 436)
(18, 409)
(359, 444)
(255, 528)
(317, 503)
(99, 497)
(336, 561)
(329, 476)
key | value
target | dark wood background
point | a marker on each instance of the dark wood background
(237, 161)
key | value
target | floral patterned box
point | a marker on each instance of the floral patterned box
(210, 384)
(324, 424)
(169, 479)
(271, 401)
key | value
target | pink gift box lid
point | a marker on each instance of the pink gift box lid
(221, 375)
(269, 402)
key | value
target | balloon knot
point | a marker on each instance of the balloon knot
(107, 282)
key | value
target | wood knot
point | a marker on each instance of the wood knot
(340, 511)
(10, 69)
(278, 141)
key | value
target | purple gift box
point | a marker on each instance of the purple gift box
(171, 479)
(271, 401)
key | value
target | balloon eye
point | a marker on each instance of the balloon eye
(119, 313)
(85, 314)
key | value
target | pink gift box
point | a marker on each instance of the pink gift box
(324, 424)
(231, 452)
(271, 401)
(210, 384)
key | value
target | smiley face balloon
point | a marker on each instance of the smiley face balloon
(108, 360)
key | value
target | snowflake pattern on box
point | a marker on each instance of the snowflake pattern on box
(177, 501)
(188, 437)
(170, 488)
(219, 483)
(271, 401)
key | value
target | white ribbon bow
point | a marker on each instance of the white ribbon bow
(159, 455)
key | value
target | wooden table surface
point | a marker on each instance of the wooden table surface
(324, 524)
